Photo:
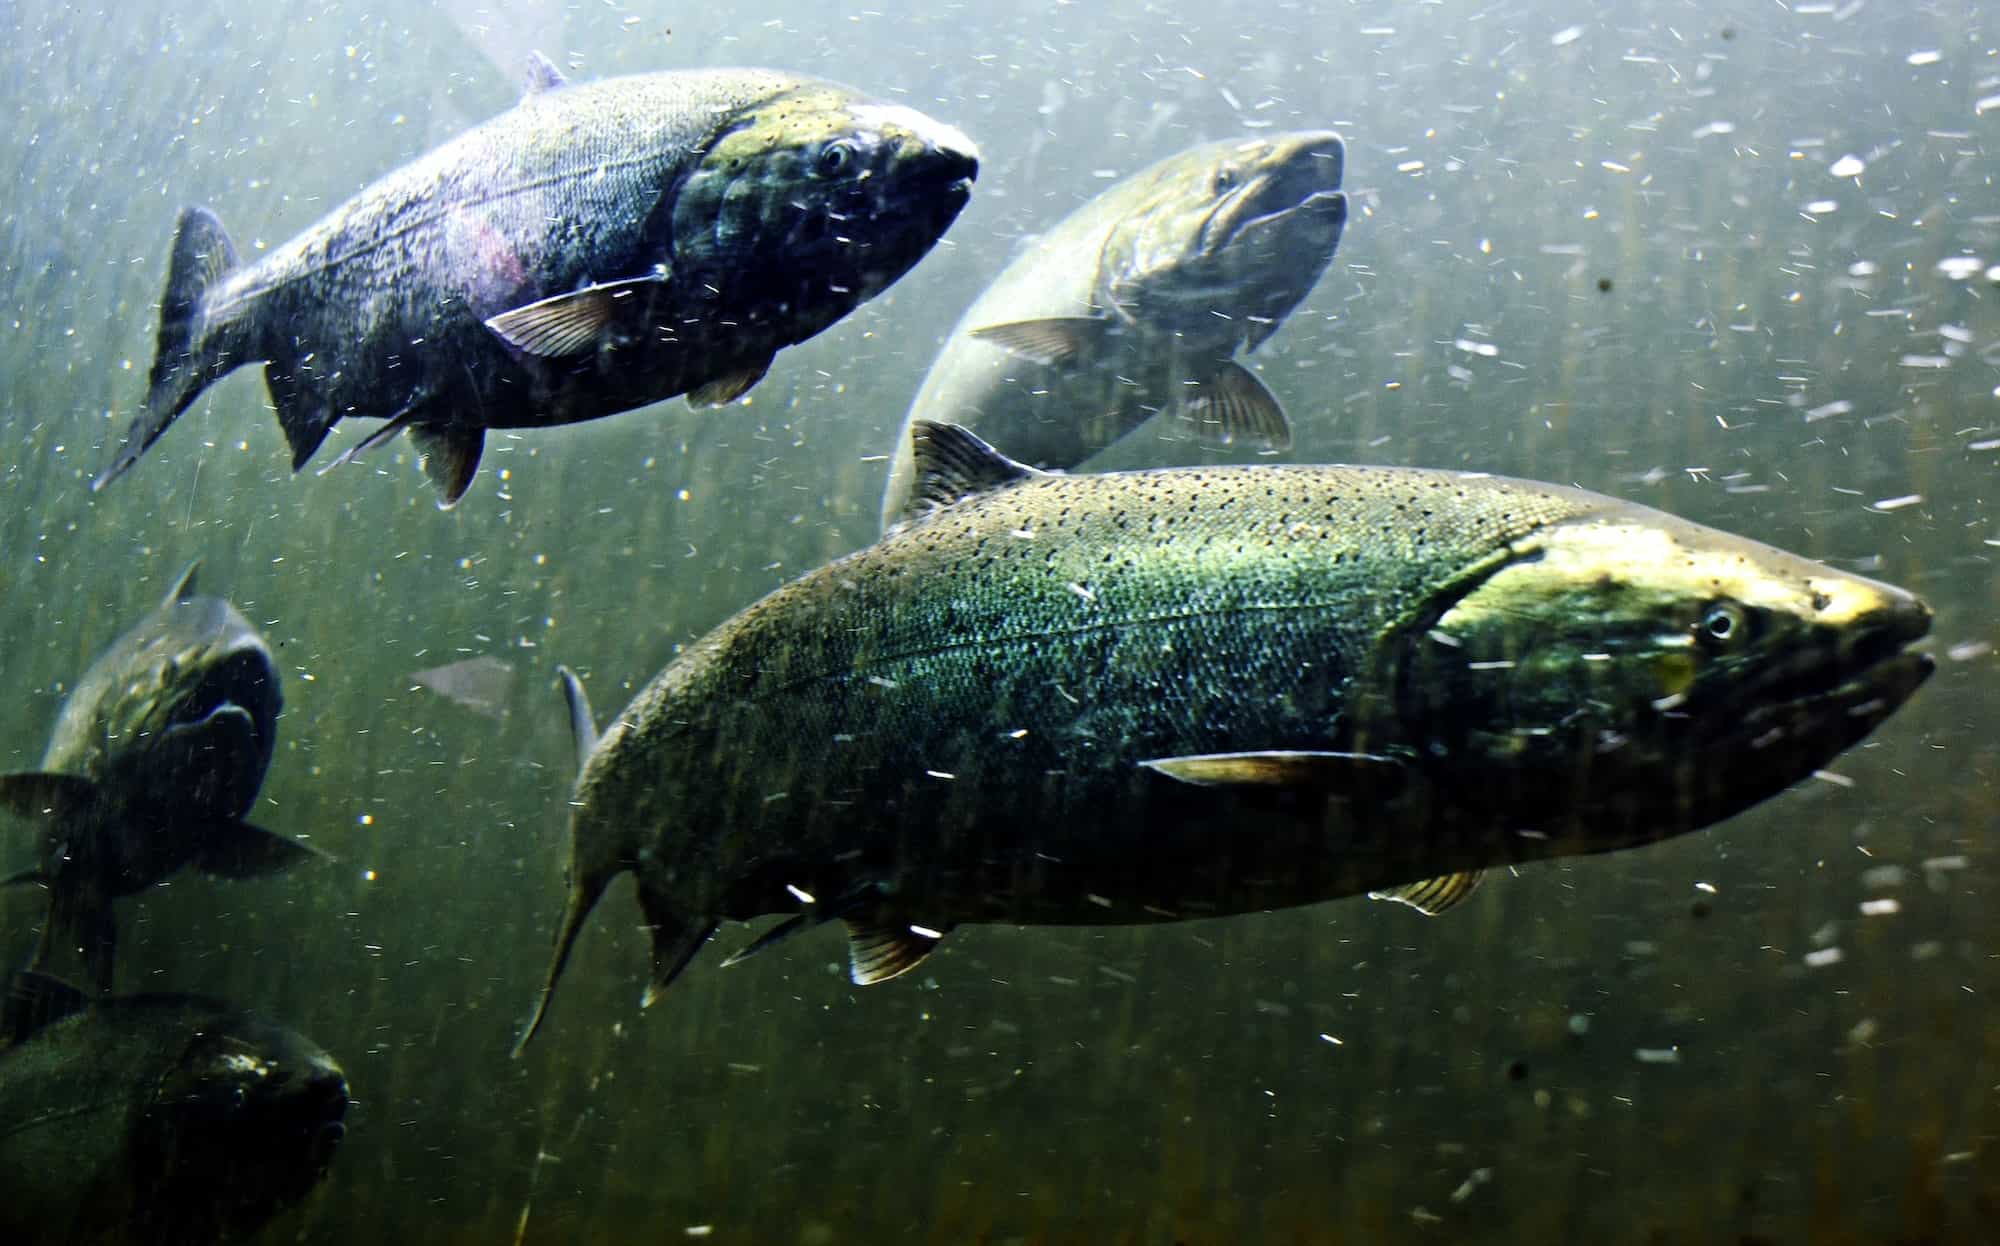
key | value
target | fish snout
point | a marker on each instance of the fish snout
(323, 1103)
(951, 166)
(1876, 621)
(1321, 158)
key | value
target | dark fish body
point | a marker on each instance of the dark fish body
(1138, 697)
(159, 1119)
(597, 248)
(1137, 303)
(156, 759)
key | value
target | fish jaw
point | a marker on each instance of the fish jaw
(1230, 239)
(1629, 676)
(815, 201)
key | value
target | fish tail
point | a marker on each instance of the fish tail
(189, 355)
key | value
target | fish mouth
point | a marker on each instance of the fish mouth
(1830, 701)
(237, 676)
(1298, 183)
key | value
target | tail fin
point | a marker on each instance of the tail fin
(185, 360)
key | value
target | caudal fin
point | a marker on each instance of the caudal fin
(186, 358)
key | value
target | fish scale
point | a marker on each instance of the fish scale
(1132, 697)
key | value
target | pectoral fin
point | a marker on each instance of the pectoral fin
(233, 849)
(1437, 895)
(1234, 408)
(1052, 343)
(449, 455)
(1346, 773)
(882, 948)
(727, 388)
(45, 794)
(568, 324)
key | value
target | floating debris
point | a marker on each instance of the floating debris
(480, 684)
(1961, 267)
(1847, 166)
(1883, 907)
(1896, 503)
(1822, 957)
(1473, 1180)
(1657, 1055)
(1566, 36)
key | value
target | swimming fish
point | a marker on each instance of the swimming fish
(599, 247)
(1155, 695)
(156, 758)
(157, 1119)
(1137, 304)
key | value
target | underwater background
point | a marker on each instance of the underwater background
(1740, 261)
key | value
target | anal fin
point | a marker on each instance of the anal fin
(882, 948)
(303, 415)
(1433, 896)
(449, 455)
(1234, 408)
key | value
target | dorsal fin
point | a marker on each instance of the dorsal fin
(184, 587)
(542, 75)
(951, 464)
(34, 1001)
(582, 727)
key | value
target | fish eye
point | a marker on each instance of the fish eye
(835, 157)
(1225, 179)
(1722, 625)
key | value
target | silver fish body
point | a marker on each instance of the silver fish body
(1144, 696)
(599, 247)
(1137, 304)
(155, 761)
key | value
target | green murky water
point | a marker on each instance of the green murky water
(1622, 246)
